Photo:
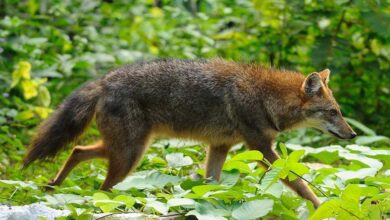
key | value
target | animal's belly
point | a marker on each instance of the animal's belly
(205, 135)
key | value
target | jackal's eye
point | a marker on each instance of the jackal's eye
(333, 112)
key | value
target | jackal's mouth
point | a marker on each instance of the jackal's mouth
(335, 134)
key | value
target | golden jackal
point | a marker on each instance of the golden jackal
(218, 102)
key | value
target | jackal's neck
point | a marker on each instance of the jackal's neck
(282, 96)
(279, 91)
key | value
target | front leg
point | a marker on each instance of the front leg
(298, 185)
(264, 145)
(216, 156)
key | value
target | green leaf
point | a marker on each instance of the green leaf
(184, 202)
(104, 202)
(176, 160)
(295, 156)
(360, 126)
(351, 198)
(327, 210)
(63, 199)
(282, 163)
(100, 196)
(252, 155)
(236, 165)
(207, 211)
(33, 6)
(43, 96)
(270, 178)
(29, 89)
(203, 189)
(189, 183)
(156, 205)
(42, 112)
(21, 72)
(24, 115)
(18, 184)
(363, 140)
(127, 200)
(229, 178)
(152, 180)
(283, 149)
(253, 209)
(299, 169)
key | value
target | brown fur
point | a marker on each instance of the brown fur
(218, 102)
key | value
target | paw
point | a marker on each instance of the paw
(50, 186)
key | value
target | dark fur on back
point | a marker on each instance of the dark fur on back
(65, 124)
(169, 95)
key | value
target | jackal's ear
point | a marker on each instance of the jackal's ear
(312, 84)
(325, 75)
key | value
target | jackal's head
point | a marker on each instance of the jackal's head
(320, 110)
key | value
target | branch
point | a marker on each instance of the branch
(314, 186)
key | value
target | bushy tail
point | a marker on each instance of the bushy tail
(65, 124)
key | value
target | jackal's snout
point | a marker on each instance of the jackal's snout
(340, 128)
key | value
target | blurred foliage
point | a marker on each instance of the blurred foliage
(48, 48)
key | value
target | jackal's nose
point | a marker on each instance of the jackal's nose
(353, 134)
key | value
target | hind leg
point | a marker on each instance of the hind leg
(122, 159)
(126, 132)
(79, 154)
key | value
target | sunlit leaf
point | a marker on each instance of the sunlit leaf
(30, 89)
(176, 160)
(251, 155)
(253, 209)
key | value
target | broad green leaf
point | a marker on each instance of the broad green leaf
(295, 156)
(18, 184)
(351, 193)
(104, 202)
(158, 206)
(327, 210)
(207, 211)
(42, 112)
(283, 149)
(125, 199)
(368, 151)
(229, 178)
(29, 89)
(151, 180)
(298, 168)
(253, 209)
(43, 96)
(63, 199)
(33, 6)
(281, 163)
(360, 126)
(176, 160)
(21, 72)
(189, 183)
(100, 196)
(24, 115)
(203, 189)
(184, 202)
(236, 165)
(24, 68)
(270, 178)
(358, 174)
(252, 155)
(362, 140)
